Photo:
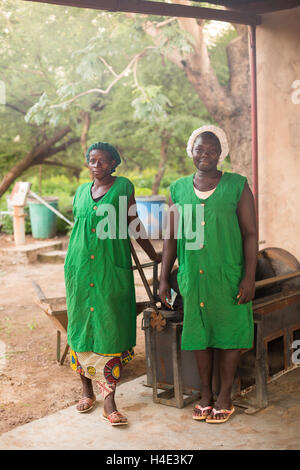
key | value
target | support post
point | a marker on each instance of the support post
(252, 35)
(58, 342)
(19, 225)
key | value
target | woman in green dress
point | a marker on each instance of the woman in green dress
(212, 231)
(99, 280)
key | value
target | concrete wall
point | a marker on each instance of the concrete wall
(278, 67)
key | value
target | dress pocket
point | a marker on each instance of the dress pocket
(120, 283)
(232, 275)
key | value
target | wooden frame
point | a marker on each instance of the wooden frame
(291, 332)
(161, 9)
(279, 334)
(257, 6)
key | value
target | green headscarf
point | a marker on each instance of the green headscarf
(108, 148)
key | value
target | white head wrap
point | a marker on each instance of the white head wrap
(219, 133)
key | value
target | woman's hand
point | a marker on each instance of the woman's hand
(165, 293)
(246, 290)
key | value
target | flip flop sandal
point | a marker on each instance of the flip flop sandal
(86, 401)
(215, 412)
(115, 418)
(203, 415)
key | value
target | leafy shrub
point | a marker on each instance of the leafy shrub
(62, 227)
(6, 223)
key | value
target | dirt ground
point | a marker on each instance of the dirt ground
(32, 384)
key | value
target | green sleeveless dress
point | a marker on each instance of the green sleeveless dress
(99, 280)
(211, 266)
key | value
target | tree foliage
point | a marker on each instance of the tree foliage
(96, 76)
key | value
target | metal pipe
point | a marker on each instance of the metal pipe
(253, 75)
(19, 225)
(51, 208)
(144, 279)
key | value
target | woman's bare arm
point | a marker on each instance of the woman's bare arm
(169, 254)
(142, 239)
(247, 221)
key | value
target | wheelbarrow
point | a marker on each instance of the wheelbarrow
(56, 307)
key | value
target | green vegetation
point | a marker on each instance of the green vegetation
(52, 61)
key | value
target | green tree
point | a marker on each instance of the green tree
(35, 48)
(75, 76)
(228, 103)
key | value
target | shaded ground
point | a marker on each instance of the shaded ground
(32, 384)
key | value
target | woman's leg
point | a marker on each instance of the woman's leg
(109, 402)
(204, 360)
(229, 359)
(87, 392)
(112, 375)
(110, 411)
(106, 373)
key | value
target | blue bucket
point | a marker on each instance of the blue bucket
(151, 211)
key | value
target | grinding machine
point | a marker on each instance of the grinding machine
(173, 373)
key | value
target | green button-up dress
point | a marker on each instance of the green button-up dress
(99, 280)
(211, 266)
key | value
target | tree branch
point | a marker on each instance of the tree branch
(76, 170)
(15, 108)
(85, 130)
(118, 77)
(46, 149)
(165, 138)
(163, 23)
(196, 65)
(108, 66)
(238, 62)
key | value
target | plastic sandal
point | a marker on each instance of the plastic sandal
(203, 415)
(86, 401)
(215, 412)
(116, 418)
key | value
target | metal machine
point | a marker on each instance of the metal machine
(173, 373)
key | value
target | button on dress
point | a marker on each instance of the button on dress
(211, 266)
(99, 280)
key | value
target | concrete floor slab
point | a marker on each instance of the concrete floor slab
(161, 427)
(28, 253)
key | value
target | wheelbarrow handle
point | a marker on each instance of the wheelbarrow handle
(38, 290)
(144, 279)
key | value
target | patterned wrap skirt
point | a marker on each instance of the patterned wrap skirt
(104, 369)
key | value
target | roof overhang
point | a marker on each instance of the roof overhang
(237, 11)
(161, 9)
(255, 6)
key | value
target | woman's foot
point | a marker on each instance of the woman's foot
(204, 407)
(88, 398)
(111, 413)
(115, 418)
(85, 404)
(219, 416)
(223, 403)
